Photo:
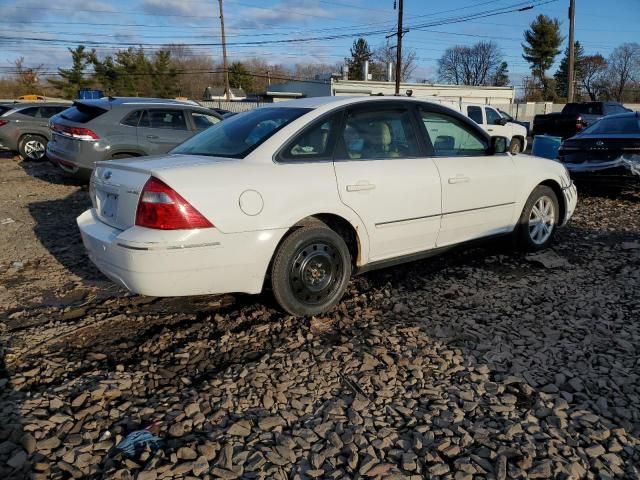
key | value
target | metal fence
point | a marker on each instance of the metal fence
(236, 107)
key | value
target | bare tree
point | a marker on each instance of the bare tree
(624, 69)
(26, 77)
(593, 68)
(194, 71)
(386, 54)
(475, 65)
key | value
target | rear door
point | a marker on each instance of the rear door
(384, 176)
(161, 129)
(478, 189)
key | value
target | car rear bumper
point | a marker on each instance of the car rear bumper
(80, 160)
(180, 263)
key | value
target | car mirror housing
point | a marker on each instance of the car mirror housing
(501, 121)
(498, 145)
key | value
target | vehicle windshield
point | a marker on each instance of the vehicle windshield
(589, 108)
(237, 136)
(506, 115)
(610, 125)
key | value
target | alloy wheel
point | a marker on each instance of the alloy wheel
(34, 149)
(542, 220)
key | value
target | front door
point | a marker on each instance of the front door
(478, 189)
(161, 129)
(383, 175)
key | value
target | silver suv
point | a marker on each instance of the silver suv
(110, 128)
(24, 127)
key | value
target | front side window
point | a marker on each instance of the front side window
(203, 120)
(493, 117)
(314, 143)
(237, 136)
(164, 119)
(475, 114)
(450, 137)
(379, 134)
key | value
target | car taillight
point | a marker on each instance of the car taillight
(79, 133)
(3, 122)
(580, 123)
(161, 207)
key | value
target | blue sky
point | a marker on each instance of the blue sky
(600, 25)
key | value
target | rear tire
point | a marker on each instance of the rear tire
(539, 219)
(516, 146)
(310, 271)
(33, 147)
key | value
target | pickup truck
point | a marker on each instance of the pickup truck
(574, 118)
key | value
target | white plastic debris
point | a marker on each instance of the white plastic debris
(7, 221)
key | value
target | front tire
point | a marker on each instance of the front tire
(516, 146)
(310, 271)
(539, 220)
(33, 147)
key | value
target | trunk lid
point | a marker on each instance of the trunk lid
(116, 186)
(593, 149)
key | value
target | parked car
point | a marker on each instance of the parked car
(24, 127)
(496, 124)
(574, 118)
(111, 128)
(304, 193)
(607, 152)
(509, 118)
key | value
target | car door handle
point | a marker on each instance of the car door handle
(360, 187)
(459, 179)
(489, 129)
(153, 137)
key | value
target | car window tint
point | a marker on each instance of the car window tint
(165, 119)
(475, 114)
(237, 136)
(589, 108)
(48, 112)
(379, 134)
(30, 112)
(132, 119)
(314, 143)
(203, 120)
(450, 137)
(492, 116)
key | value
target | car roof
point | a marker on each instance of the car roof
(109, 102)
(38, 104)
(317, 102)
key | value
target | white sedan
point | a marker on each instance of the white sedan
(302, 194)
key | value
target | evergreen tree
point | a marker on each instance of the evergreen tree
(73, 79)
(240, 77)
(543, 40)
(164, 79)
(360, 52)
(562, 75)
(501, 77)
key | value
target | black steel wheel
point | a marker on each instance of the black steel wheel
(310, 270)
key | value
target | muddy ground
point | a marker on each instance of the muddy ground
(482, 363)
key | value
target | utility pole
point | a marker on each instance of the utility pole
(224, 54)
(572, 52)
(399, 48)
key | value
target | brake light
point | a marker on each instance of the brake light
(580, 123)
(161, 207)
(3, 122)
(79, 133)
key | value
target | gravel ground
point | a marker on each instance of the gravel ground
(483, 363)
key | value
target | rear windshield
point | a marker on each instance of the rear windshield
(592, 108)
(81, 113)
(621, 125)
(4, 109)
(237, 136)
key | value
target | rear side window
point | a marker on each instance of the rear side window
(203, 120)
(81, 113)
(132, 119)
(379, 134)
(165, 119)
(48, 112)
(314, 143)
(29, 112)
(475, 114)
(452, 138)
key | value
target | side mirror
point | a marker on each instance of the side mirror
(498, 145)
(501, 121)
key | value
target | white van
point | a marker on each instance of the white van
(497, 124)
